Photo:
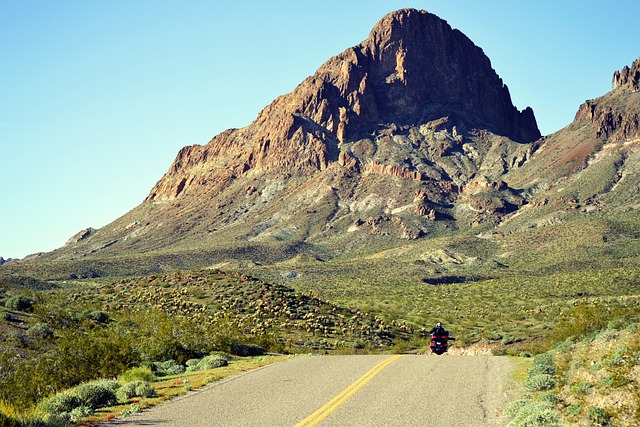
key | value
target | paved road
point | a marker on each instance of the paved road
(377, 390)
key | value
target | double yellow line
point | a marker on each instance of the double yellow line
(337, 401)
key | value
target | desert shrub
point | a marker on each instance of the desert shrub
(534, 414)
(80, 412)
(513, 408)
(507, 339)
(97, 394)
(19, 303)
(549, 398)
(40, 331)
(541, 375)
(59, 403)
(138, 373)
(599, 417)
(168, 367)
(97, 316)
(6, 316)
(135, 389)
(614, 381)
(209, 362)
(581, 388)
(619, 357)
(574, 409)
(544, 362)
(133, 409)
(101, 352)
(540, 382)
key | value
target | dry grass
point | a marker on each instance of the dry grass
(177, 385)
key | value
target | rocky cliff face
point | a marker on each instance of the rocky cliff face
(628, 78)
(616, 115)
(412, 69)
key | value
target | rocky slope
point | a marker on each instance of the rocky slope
(604, 128)
(409, 135)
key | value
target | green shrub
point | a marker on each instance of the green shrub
(535, 414)
(133, 409)
(582, 320)
(135, 389)
(582, 388)
(138, 373)
(97, 316)
(40, 331)
(209, 362)
(574, 409)
(97, 394)
(168, 367)
(513, 408)
(599, 417)
(19, 303)
(80, 412)
(539, 382)
(543, 364)
(59, 403)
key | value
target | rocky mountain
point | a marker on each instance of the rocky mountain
(413, 70)
(604, 128)
(409, 136)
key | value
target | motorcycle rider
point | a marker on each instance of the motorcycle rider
(439, 330)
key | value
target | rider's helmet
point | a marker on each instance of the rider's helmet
(438, 325)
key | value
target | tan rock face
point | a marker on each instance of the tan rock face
(628, 78)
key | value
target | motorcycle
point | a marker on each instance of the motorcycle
(440, 343)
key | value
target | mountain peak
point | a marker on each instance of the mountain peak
(426, 69)
(399, 23)
(412, 70)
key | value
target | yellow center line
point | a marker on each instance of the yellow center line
(337, 401)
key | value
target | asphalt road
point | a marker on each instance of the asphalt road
(377, 390)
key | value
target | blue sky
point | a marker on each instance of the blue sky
(96, 98)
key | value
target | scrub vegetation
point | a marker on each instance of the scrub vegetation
(142, 330)
(590, 379)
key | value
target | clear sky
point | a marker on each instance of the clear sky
(97, 97)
